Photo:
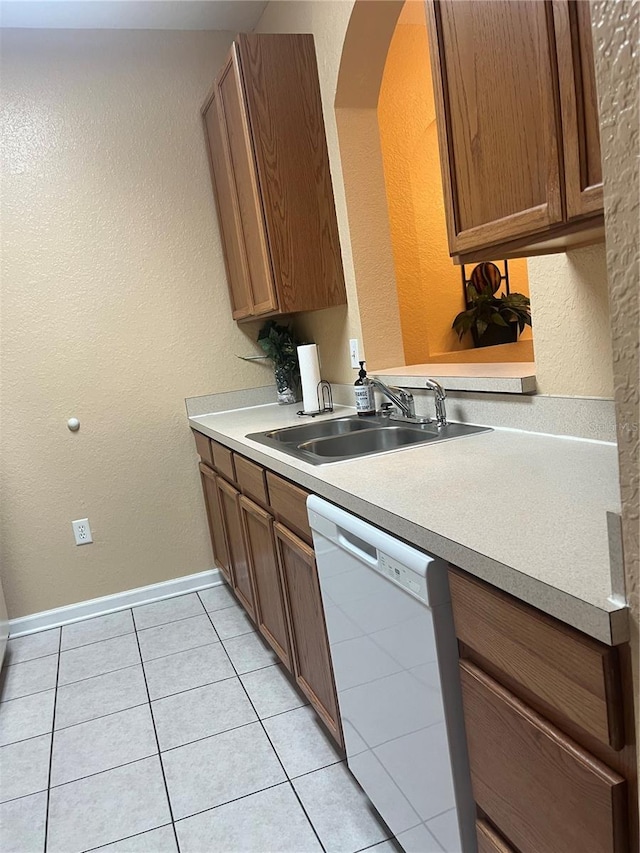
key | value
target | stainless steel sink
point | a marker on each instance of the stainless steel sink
(348, 438)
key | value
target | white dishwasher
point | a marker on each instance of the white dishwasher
(394, 655)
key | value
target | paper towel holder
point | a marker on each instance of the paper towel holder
(325, 400)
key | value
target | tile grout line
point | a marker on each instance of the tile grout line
(127, 837)
(155, 732)
(284, 770)
(53, 722)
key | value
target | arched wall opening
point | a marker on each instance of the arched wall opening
(408, 288)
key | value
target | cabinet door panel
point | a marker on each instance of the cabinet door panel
(241, 571)
(543, 791)
(579, 101)
(234, 120)
(498, 120)
(310, 647)
(214, 516)
(228, 214)
(270, 603)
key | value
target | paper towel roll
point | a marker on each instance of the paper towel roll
(309, 375)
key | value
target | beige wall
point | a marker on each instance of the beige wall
(616, 34)
(114, 308)
(572, 331)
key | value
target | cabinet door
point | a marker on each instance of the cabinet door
(228, 213)
(493, 67)
(237, 143)
(241, 571)
(579, 102)
(269, 600)
(310, 647)
(214, 516)
(541, 789)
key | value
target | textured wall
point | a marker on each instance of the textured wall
(114, 308)
(429, 283)
(572, 333)
(616, 37)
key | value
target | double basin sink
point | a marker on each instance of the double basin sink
(340, 439)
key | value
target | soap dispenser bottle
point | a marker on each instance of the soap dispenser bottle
(365, 398)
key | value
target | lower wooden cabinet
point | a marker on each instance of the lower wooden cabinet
(270, 605)
(550, 740)
(541, 788)
(271, 569)
(214, 515)
(310, 646)
(241, 570)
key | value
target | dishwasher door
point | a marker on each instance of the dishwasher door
(394, 657)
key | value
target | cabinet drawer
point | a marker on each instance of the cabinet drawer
(251, 479)
(223, 460)
(488, 840)
(203, 446)
(289, 503)
(570, 673)
(543, 791)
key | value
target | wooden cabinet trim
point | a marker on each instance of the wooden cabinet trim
(327, 707)
(251, 478)
(581, 143)
(289, 504)
(227, 208)
(241, 574)
(541, 789)
(265, 609)
(574, 674)
(223, 460)
(214, 517)
(203, 447)
(253, 226)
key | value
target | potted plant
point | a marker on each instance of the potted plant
(491, 319)
(280, 345)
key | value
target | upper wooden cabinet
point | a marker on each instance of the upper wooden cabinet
(270, 168)
(517, 125)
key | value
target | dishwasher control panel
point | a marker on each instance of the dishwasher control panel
(402, 576)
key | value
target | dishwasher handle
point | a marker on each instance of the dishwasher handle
(364, 551)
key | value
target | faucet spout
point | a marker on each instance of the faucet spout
(401, 398)
(440, 396)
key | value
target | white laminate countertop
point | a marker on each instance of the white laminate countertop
(524, 511)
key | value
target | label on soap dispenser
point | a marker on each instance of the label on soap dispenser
(365, 400)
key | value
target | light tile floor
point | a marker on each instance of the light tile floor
(169, 727)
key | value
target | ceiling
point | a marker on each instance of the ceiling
(234, 15)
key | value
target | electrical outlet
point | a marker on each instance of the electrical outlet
(82, 531)
(354, 352)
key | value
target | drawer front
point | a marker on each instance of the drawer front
(571, 673)
(289, 503)
(251, 479)
(543, 791)
(223, 460)
(203, 446)
(488, 839)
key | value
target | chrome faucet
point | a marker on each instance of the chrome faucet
(401, 398)
(440, 395)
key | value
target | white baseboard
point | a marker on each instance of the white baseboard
(111, 603)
